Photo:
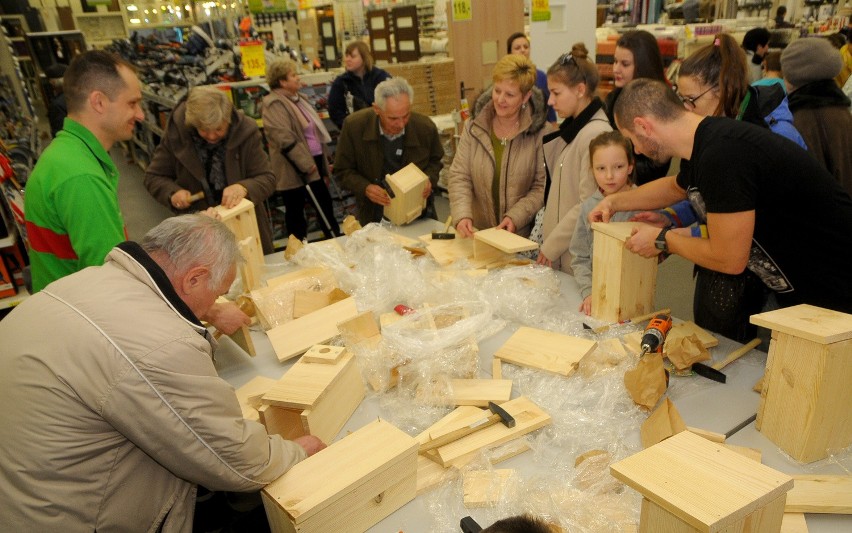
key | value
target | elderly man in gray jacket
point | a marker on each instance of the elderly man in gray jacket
(112, 409)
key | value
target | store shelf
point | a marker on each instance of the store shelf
(12, 301)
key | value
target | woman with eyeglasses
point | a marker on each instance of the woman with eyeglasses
(637, 55)
(497, 175)
(573, 81)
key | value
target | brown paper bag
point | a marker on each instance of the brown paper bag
(664, 422)
(647, 382)
(685, 351)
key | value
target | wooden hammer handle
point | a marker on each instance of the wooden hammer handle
(197, 196)
(736, 354)
(634, 320)
(457, 434)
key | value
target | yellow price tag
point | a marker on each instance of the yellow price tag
(254, 60)
(462, 10)
(540, 10)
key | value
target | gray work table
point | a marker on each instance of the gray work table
(704, 404)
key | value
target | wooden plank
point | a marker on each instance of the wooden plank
(249, 395)
(505, 241)
(242, 222)
(805, 400)
(823, 326)
(331, 480)
(752, 453)
(483, 488)
(358, 328)
(794, 523)
(295, 337)
(280, 421)
(528, 417)
(479, 392)
(324, 354)
(306, 383)
(496, 368)
(700, 482)
(623, 283)
(820, 494)
(242, 338)
(484, 253)
(709, 435)
(330, 414)
(308, 301)
(545, 350)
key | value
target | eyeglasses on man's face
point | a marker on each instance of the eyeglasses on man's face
(689, 101)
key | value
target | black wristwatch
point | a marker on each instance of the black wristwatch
(660, 241)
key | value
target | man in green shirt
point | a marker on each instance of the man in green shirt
(71, 204)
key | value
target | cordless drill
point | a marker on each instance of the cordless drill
(655, 334)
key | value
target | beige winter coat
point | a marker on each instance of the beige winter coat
(113, 411)
(571, 182)
(522, 175)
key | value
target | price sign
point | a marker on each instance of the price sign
(462, 10)
(540, 10)
(254, 61)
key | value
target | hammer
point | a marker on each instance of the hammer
(499, 415)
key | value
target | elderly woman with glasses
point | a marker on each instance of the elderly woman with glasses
(572, 81)
(497, 177)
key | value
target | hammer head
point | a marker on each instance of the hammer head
(507, 419)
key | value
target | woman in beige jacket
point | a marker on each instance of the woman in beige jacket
(297, 148)
(572, 80)
(497, 176)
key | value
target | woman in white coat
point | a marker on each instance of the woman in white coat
(572, 81)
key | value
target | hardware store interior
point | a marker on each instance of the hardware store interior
(416, 374)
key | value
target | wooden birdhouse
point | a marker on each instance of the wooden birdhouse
(348, 487)
(242, 222)
(804, 404)
(408, 203)
(691, 484)
(623, 283)
(315, 397)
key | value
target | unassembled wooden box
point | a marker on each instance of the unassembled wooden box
(407, 184)
(314, 397)
(623, 283)
(804, 403)
(691, 484)
(242, 222)
(348, 487)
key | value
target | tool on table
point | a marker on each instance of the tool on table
(469, 525)
(403, 310)
(446, 234)
(655, 333)
(713, 371)
(197, 196)
(499, 415)
(633, 320)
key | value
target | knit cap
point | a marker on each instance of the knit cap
(810, 59)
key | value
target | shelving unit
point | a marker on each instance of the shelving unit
(101, 28)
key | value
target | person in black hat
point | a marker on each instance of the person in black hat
(56, 108)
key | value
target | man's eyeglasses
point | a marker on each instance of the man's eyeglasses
(689, 101)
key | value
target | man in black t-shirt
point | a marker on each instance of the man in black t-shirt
(769, 206)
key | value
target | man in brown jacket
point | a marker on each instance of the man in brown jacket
(381, 140)
(112, 409)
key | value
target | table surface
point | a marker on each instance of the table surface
(721, 408)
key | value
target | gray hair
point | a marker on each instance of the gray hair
(390, 88)
(207, 108)
(195, 240)
(277, 71)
